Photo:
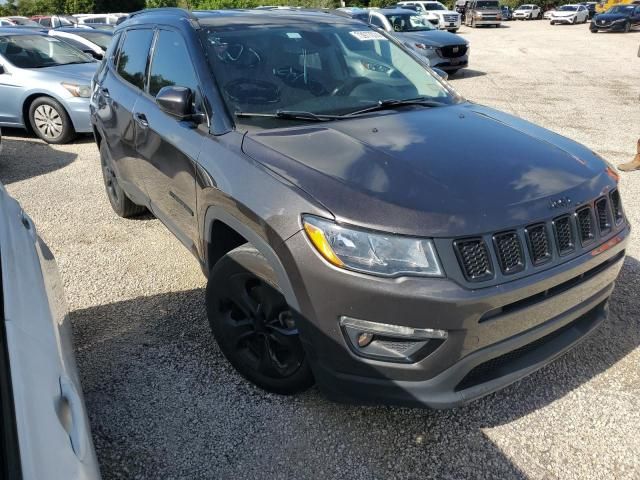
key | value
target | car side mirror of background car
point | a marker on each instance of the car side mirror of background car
(178, 102)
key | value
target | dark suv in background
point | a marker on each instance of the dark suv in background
(361, 225)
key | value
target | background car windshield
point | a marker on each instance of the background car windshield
(433, 6)
(38, 51)
(621, 9)
(324, 69)
(525, 7)
(486, 4)
(101, 39)
(25, 22)
(409, 23)
(568, 8)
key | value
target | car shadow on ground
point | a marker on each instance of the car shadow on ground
(18, 163)
(467, 73)
(164, 402)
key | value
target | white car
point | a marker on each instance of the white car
(527, 12)
(44, 426)
(108, 18)
(570, 14)
(90, 41)
(437, 14)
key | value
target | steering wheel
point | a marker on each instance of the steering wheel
(237, 54)
(347, 88)
(252, 91)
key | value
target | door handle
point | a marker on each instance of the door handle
(141, 119)
(77, 430)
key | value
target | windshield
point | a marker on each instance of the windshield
(568, 8)
(486, 4)
(627, 9)
(67, 20)
(38, 51)
(433, 6)
(318, 68)
(525, 7)
(101, 39)
(407, 22)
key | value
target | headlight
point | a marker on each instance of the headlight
(372, 252)
(422, 46)
(76, 90)
(478, 15)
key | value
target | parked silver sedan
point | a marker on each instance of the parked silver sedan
(43, 420)
(44, 85)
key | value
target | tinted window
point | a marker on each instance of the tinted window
(171, 64)
(133, 56)
(377, 22)
(45, 22)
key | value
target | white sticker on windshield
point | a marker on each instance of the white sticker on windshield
(294, 35)
(367, 35)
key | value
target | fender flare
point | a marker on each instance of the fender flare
(215, 213)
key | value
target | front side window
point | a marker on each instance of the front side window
(39, 51)
(171, 64)
(132, 61)
(377, 22)
(317, 68)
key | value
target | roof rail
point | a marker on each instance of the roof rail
(172, 10)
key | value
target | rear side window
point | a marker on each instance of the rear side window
(171, 64)
(133, 56)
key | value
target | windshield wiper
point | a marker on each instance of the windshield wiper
(393, 103)
(291, 115)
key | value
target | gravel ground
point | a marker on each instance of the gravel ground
(163, 403)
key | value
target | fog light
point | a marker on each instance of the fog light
(397, 331)
(392, 343)
(364, 339)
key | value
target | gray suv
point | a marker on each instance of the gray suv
(361, 225)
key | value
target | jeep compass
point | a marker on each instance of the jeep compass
(362, 226)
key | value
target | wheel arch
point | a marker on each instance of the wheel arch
(30, 98)
(223, 232)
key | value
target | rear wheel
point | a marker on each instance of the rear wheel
(253, 324)
(627, 26)
(50, 121)
(120, 202)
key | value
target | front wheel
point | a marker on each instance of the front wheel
(120, 202)
(627, 27)
(253, 324)
(50, 121)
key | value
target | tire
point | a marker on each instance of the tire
(453, 30)
(120, 202)
(627, 27)
(50, 121)
(253, 325)
(593, 30)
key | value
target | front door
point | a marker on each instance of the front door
(167, 146)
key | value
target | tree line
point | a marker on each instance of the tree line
(43, 7)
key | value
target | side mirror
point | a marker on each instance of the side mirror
(175, 101)
(441, 73)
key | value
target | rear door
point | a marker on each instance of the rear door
(117, 94)
(167, 146)
(635, 19)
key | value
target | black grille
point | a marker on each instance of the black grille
(585, 225)
(602, 212)
(538, 242)
(509, 252)
(616, 205)
(474, 259)
(453, 51)
(564, 234)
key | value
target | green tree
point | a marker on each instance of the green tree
(161, 3)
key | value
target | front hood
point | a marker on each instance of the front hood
(610, 17)
(437, 38)
(448, 171)
(81, 72)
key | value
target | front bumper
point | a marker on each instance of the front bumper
(78, 110)
(481, 354)
(481, 21)
(568, 20)
(610, 27)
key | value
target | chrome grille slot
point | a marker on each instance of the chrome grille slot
(509, 251)
(474, 258)
(564, 234)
